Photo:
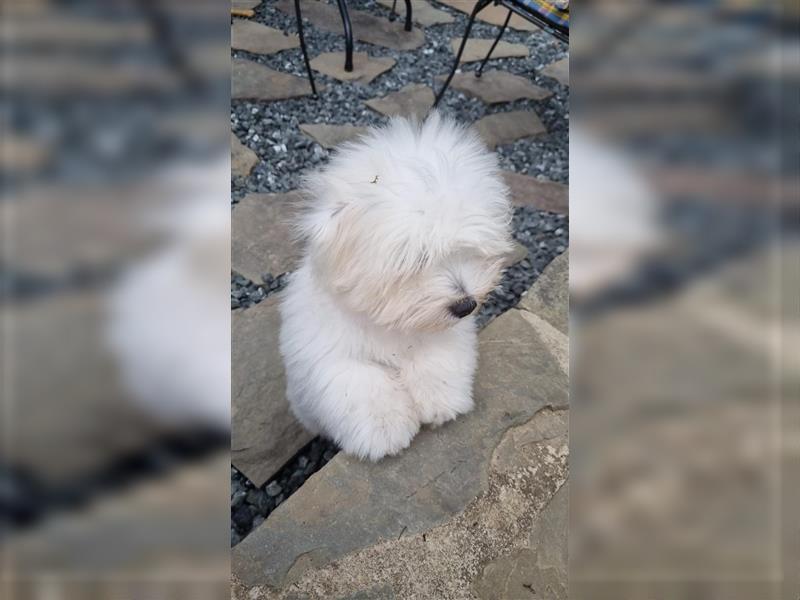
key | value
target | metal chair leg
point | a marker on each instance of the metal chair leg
(479, 6)
(303, 45)
(408, 15)
(348, 35)
(393, 12)
(479, 72)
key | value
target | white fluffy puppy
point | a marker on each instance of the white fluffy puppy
(405, 232)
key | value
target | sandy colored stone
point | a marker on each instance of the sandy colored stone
(250, 80)
(507, 127)
(242, 158)
(429, 509)
(175, 522)
(548, 297)
(330, 136)
(65, 74)
(497, 86)
(19, 153)
(543, 195)
(558, 70)
(422, 12)
(261, 241)
(245, 4)
(365, 67)
(74, 31)
(260, 39)
(68, 392)
(366, 27)
(264, 434)
(477, 49)
(496, 15)
(412, 100)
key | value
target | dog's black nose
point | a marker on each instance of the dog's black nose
(463, 307)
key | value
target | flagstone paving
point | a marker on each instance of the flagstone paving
(497, 86)
(502, 128)
(242, 158)
(250, 80)
(330, 136)
(264, 434)
(366, 27)
(558, 70)
(492, 476)
(422, 12)
(365, 67)
(414, 100)
(260, 39)
(496, 15)
(544, 195)
(261, 241)
(477, 49)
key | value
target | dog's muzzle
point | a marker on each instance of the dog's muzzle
(463, 307)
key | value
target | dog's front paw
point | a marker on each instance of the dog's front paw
(384, 430)
(435, 407)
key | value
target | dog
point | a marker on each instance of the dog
(404, 234)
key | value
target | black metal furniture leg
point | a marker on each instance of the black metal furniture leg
(479, 72)
(408, 15)
(479, 6)
(393, 13)
(303, 45)
(348, 35)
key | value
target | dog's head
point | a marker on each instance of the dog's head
(409, 225)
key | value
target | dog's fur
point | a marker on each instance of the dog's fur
(401, 225)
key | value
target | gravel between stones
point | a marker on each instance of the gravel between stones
(271, 129)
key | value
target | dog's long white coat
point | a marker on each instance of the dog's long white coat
(398, 227)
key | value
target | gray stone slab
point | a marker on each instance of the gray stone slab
(79, 401)
(497, 86)
(496, 15)
(477, 49)
(504, 128)
(366, 27)
(264, 434)
(536, 571)
(242, 158)
(543, 195)
(18, 153)
(261, 241)
(435, 499)
(413, 100)
(548, 298)
(422, 12)
(260, 39)
(365, 67)
(251, 80)
(155, 534)
(330, 136)
(558, 70)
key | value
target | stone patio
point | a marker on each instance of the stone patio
(365, 67)
(477, 49)
(251, 80)
(502, 128)
(463, 508)
(414, 100)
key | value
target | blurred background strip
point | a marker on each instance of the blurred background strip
(115, 327)
(684, 298)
